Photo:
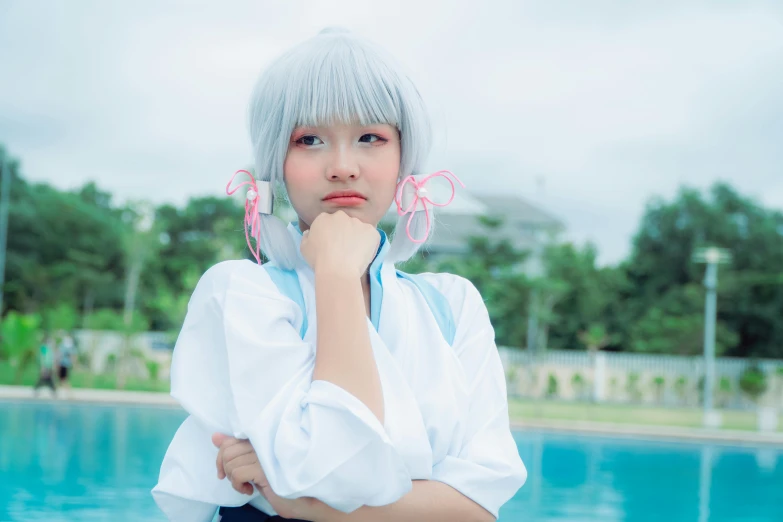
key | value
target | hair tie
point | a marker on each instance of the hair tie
(258, 201)
(412, 197)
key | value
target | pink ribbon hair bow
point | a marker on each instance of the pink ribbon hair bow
(256, 203)
(412, 196)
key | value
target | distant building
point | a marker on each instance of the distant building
(526, 226)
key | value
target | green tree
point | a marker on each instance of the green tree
(191, 239)
(750, 289)
(51, 233)
(495, 268)
(591, 302)
(675, 324)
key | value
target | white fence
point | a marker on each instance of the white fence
(630, 377)
(563, 374)
(102, 347)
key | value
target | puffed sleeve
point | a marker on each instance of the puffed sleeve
(485, 466)
(240, 367)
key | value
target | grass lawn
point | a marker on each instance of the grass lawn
(81, 379)
(520, 410)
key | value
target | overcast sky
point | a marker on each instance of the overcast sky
(609, 103)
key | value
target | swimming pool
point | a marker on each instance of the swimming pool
(64, 462)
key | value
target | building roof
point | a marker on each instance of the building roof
(524, 224)
(519, 210)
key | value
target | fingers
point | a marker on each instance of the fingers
(244, 472)
(242, 479)
(237, 461)
(218, 439)
(224, 442)
(243, 461)
(233, 450)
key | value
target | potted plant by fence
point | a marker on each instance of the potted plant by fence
(578, 384)
(613, 385)
(595, 338)
(633, 387)
(658, 383)
(724, 391)
(511, 380)
(681, 389)
(753, 382)
(551, 388)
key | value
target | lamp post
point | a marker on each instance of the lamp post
(535, 271)
(712, 257)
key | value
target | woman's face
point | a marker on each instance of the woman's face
(348, 167)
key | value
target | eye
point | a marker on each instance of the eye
(309, 141)
(371, 138)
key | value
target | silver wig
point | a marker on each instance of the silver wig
(334, 77)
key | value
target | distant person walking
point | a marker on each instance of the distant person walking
(46, 362)
(65, 355)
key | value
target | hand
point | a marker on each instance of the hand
(340, 242)
(237, 461)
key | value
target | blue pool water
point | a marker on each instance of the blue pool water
(64, 462)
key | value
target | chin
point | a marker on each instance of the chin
(357, 213)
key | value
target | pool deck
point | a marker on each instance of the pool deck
(89, 395)
(675, 433)
(596, 428)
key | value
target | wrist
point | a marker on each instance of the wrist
(336, 270)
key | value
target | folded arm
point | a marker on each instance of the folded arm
(313, 438)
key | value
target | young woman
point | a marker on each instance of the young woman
(334, 386)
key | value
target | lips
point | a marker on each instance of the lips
(344, 195)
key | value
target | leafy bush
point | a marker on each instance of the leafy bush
(61, 317)
(19, 343)
(659, 382)
(578, 383)
(633, 386)
(153, 367)
(680, 387)
(753, 382)
(111, 363)
(724, 390)
(107, 319)
(551, 388)
(613, 387)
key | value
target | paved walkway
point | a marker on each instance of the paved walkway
(600, 428)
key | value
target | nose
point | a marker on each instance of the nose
(343, 165)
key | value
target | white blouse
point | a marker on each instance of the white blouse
(240, 367)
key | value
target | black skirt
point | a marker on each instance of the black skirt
(248, 513)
